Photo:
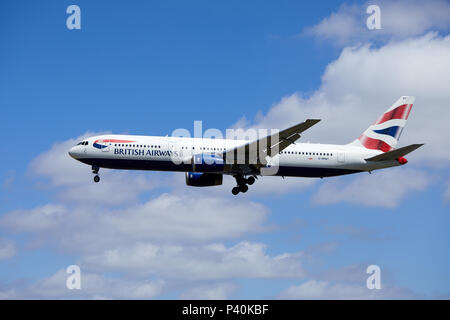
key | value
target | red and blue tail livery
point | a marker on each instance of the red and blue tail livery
(385, 132)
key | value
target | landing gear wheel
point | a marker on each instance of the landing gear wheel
(250, 181)
(96, 179)
(243, 188)
(235, 190)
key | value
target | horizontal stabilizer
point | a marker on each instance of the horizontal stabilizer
(395, 154)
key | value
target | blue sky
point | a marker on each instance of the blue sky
(149, 67)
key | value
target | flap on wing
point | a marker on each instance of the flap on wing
(395, 154)
(271, 151)
(272, 144)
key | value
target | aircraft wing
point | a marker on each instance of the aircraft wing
(396, 153)
(268, 146)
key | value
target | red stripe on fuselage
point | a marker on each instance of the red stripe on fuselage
(401, 112)
(114, 141)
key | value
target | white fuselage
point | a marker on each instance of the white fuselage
(174, 154)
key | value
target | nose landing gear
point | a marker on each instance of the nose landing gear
(95, 170)
(242, 184)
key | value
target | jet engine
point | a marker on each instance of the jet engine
(201, 179)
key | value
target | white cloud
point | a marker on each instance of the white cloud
(38, 219)
(220, 291)
(382, 189)
(93, 286)
(399, 19)
(348, 282)
(314, 289)
(276, 185)
(166, 218)
(212, 261)
(7, 249)
(340, 27)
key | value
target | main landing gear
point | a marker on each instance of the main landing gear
(242, 184)
(95, 171)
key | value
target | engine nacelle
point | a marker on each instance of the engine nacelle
(199, 179)
(207, 163)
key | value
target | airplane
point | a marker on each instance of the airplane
(206, 161)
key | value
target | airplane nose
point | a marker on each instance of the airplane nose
(72, 152)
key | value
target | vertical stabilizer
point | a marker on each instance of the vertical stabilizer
(385, 132)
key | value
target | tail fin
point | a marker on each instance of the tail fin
(385, 132)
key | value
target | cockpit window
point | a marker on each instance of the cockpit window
(83, 143)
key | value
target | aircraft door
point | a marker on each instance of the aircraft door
(341, 156)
